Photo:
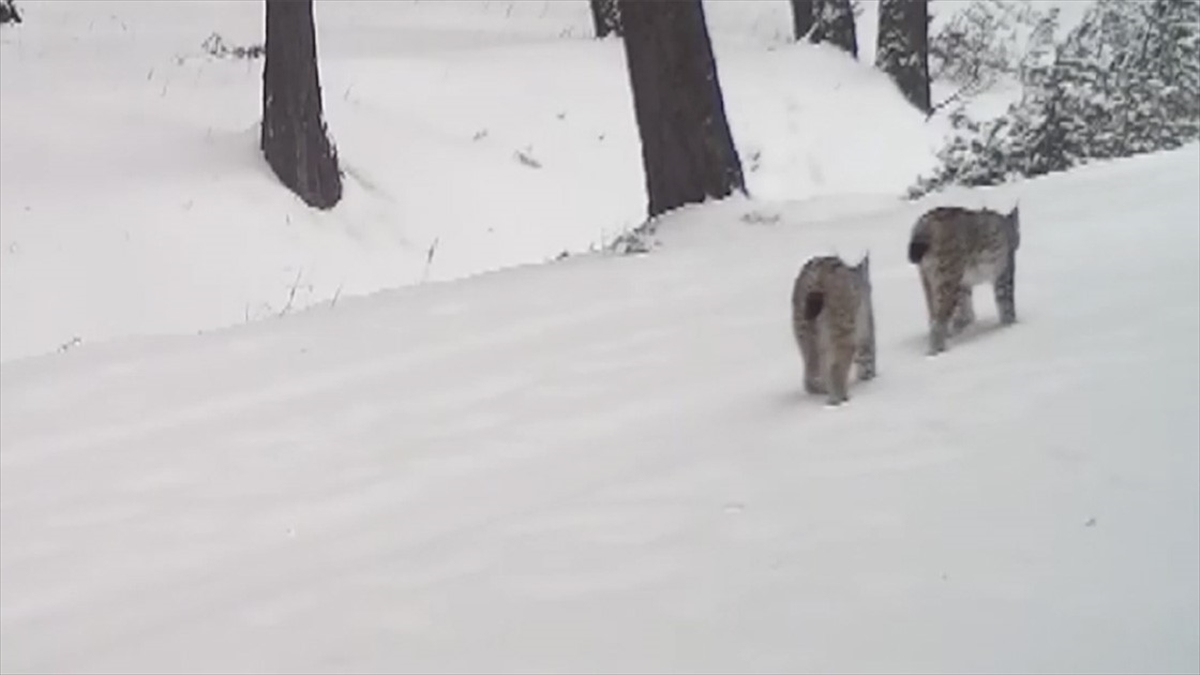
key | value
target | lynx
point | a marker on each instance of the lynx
(957, 249)
(834, 324)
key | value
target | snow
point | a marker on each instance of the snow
(606, 464)
(599, 464)
(474, 135)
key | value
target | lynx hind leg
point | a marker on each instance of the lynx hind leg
(964, 310)
(1006, 305)
(839, 373)
(945, 297)
(927, 286)
(807, 339)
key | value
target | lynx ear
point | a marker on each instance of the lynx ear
(864, 265)
(1016, 211)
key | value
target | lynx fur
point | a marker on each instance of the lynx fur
(834, 324)
(957, 249)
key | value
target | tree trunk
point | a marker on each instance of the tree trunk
(606, 17)
(903, 48)
(834, 23)
(294, 139)
(687, 149)
(802, 18)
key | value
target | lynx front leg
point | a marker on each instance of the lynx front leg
(864, 356)
(1006, 304)
(964, 310)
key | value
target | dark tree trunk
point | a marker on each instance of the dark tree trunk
(802, 18)
(294, 139)
(606, 17)
(687, 149)
(8, 12)
(903, 48)
(834, 23)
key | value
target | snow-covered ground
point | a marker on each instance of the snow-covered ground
(606, 464)
(598, 464)
(474, 135)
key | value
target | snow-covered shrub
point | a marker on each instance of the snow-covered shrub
(975, 154)
(8, 12)
(988, 41)
(1125, 81)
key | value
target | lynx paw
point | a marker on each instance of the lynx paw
(937, 340)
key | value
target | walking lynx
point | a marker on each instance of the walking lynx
(957, 249)
(834, 324)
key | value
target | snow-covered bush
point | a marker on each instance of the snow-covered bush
(8, 12)
(990, 40)
(1125, 81)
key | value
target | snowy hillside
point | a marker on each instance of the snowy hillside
(475, 135)
(606, 464)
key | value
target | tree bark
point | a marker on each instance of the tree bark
(903, 48)
(294, 139)
(687, 149)
(802, 18)
(606, 17)
(834, 23)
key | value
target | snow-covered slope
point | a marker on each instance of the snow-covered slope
(475, 135)
(607, 465)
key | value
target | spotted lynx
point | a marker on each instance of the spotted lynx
(957, 249)
(834, 324)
